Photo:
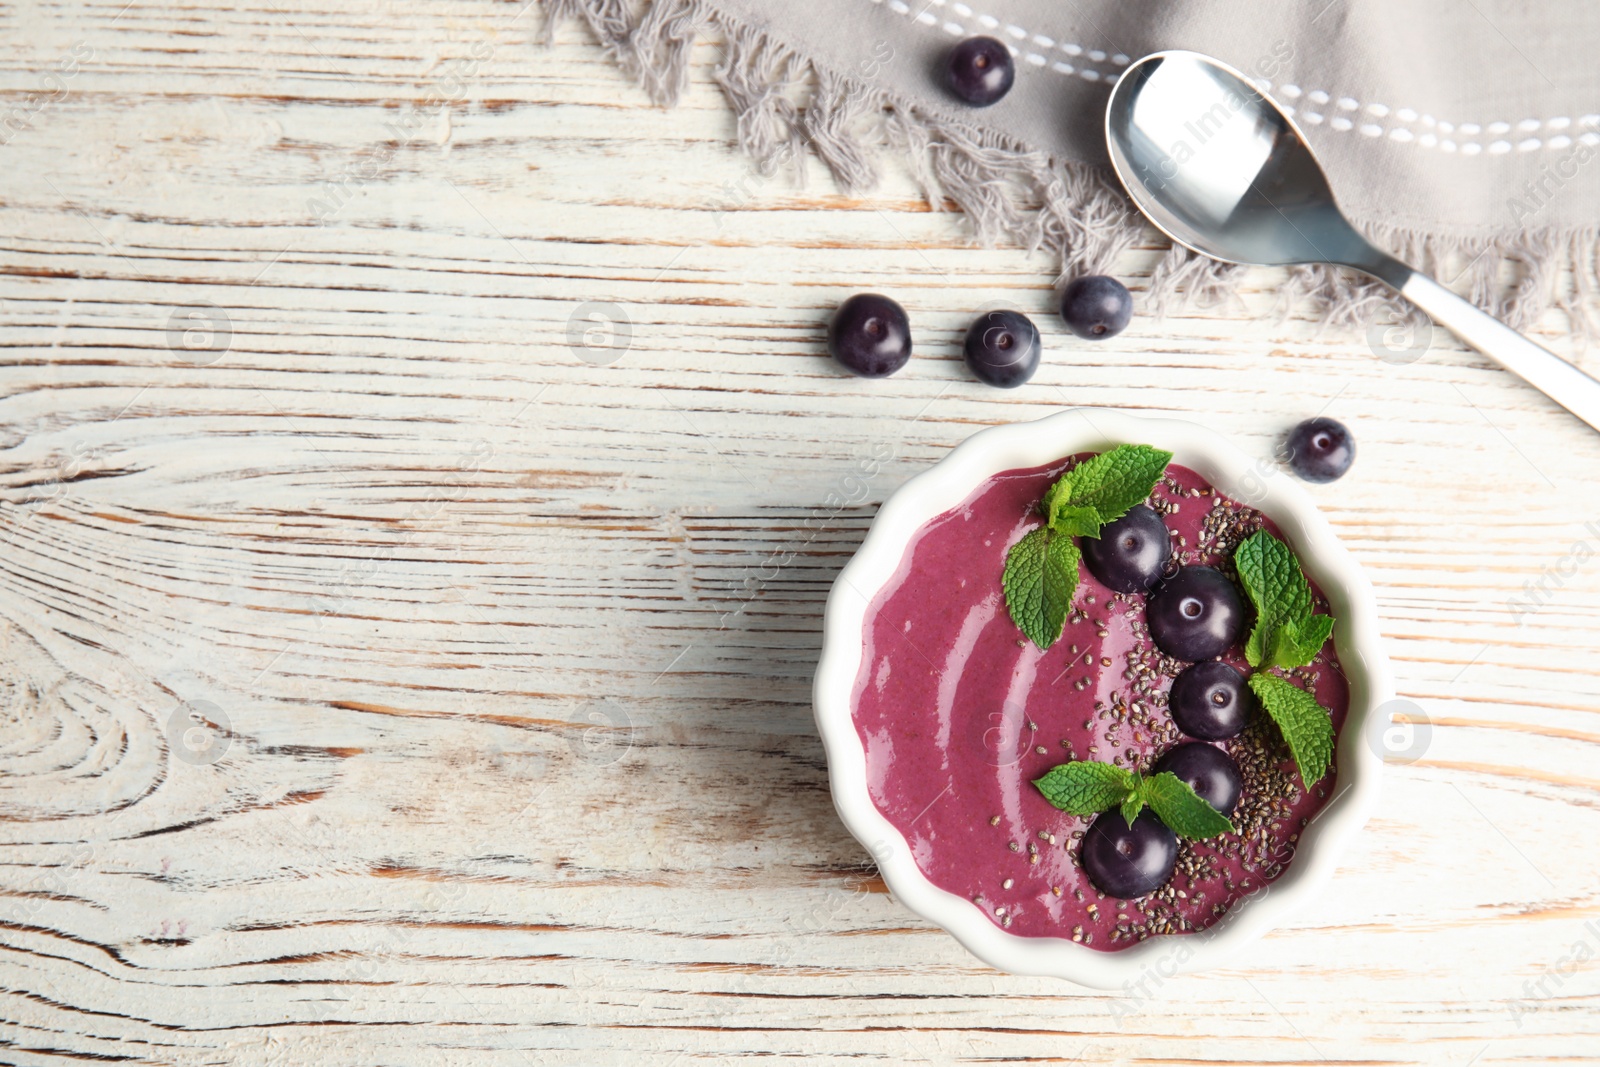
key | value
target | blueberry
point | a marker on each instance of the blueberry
(1096, 307)
(1320, 449)
(1208, 770)
(1128, 555)
(1128, 861)
(980, 70)
(1003, 348)
(1196, 614)
(1210, 701)
(870, 335)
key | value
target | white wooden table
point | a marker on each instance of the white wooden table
(387, 681)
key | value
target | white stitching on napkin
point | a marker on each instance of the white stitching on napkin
(1398, 133)
(989, 22)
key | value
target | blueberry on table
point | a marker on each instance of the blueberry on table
(1196, 614)
(1206, 769)
(980, 71)
(1129, 554)
(1096, 307)
(1002, 348)
(1128, 861)
(1211, 701)
(870, 335)
(1321, 449)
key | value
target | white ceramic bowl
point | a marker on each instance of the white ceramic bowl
(1250, 481)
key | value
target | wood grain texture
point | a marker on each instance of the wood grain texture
(388, 681)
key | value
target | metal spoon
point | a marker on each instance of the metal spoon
(1219, 168)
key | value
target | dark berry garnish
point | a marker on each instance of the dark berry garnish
(1003, 348)
(980, 71)
(1129, 554)
(1210, 701)
(1320, 449)
(1128, 861)
(1208, 770)
(1196, 614)
(1096, 307)
(870, 335)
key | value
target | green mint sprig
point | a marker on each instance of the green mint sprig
(1041, 570)
(1040, 577)
(1305, 724)
(1286, 633)
(1085, 787)
(1103, 488)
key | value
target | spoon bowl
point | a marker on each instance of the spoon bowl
(1221, 169)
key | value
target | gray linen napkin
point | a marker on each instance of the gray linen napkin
(1458, 133)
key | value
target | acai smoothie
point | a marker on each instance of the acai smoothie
(964, 714)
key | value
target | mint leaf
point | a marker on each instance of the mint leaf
(1134, 804)
(1057, 503)
(1061, 558)
(1299, 642)
(1040, 577)
(1041, 571)
(1182, 809)
(1271, 573)
(1285, 633)
(1023, 582)
(1110, 483)
(1305, 724)
(1086, 787)
(1075, 521)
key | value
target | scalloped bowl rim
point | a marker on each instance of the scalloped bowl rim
(952, 480)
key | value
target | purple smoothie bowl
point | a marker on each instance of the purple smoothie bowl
(924, 856)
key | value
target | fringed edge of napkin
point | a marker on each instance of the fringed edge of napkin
(785, 104)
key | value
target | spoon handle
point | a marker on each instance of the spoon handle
(1538, 366)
